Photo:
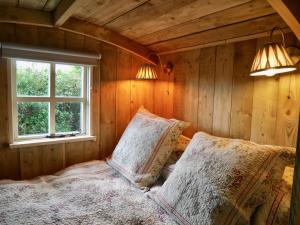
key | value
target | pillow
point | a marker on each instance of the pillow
(276, 210)
(182, 143)
(216, 181)
(145, 147)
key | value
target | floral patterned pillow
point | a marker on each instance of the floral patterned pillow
(276, 210)
(218, 181)
(145, 147)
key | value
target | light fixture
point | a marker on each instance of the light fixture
(272, 58)
(148, 71)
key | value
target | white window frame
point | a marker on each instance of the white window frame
(51, 99)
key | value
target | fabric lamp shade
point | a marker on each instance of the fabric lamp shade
(272, 59)
(146, 72)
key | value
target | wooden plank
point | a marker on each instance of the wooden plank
(246, 11)
(223, 90)
(123, 92)
(9, 164)
(107, 36)
(223, 33)
(52, 158)
(25, 16)
(74, 41)
(142, 91)
(295, 200)
(52, 38)
(108, 100)
(30, 162)
(74, 153)
(287, 110)
(289, 11)
(110, 10)
(4, 117)
(164, 91)
(263, 126)
(27, 34)
(7, 33)
(92, 148)
(175, 13)
(65, 10)
(206, 89)
(242, 90)
(186, 76)
(32, 4)
(51, 5)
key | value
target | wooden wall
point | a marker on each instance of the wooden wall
(213, 90)
(209, 87)
(115, 98)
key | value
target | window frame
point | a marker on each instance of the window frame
(84, 99)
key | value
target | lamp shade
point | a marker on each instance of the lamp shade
(146, 72)
(271, 59)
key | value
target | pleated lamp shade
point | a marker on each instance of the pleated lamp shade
(146, 72)
(270, 60)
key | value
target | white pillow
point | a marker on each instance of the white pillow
(218, 181)
(145, 147)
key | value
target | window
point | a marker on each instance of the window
(49, 98)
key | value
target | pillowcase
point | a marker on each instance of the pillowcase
(218, 181)
(182, 143)
(145, 147)
(276, 210)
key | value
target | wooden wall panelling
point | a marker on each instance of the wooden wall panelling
(26, 34)
(223, 90)
(52, 158)
(186, 81)
(123, 92)
(206, 89)
(51, 37)
(288, 103)
(30, 162)
(7, 32)
(92, 148)
(142, 91)
(74, 42)
(74, 153)
(242, 90)
(108, 99)
(264, 112)
(9, 164)
(164, 90)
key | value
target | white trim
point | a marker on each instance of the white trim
(47, 141)
(51, 99)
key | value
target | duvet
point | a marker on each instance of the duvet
(87, 193)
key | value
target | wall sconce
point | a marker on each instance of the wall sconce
(148, 71)
(272, 58)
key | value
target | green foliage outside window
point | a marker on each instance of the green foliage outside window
(32, 79)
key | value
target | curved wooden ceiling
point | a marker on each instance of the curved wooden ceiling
(159, 25)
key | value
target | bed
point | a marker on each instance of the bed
(212, 181)
(86, 193)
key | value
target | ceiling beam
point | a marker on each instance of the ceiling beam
(66, 9)
(25, 16)
(290, 13)
(44, 19)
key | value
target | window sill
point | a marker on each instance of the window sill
(49, 141)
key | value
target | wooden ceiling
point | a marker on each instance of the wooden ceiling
(43, 5)
(164, 25)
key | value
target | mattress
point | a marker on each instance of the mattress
(86, 193)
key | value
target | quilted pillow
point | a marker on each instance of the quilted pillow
(216, 181)
(145, 147)
(276, 210)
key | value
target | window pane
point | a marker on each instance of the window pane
(32, 78)
(33, 118)
(67, 117)
(68, 80)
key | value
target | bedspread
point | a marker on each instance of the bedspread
(87, 193)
